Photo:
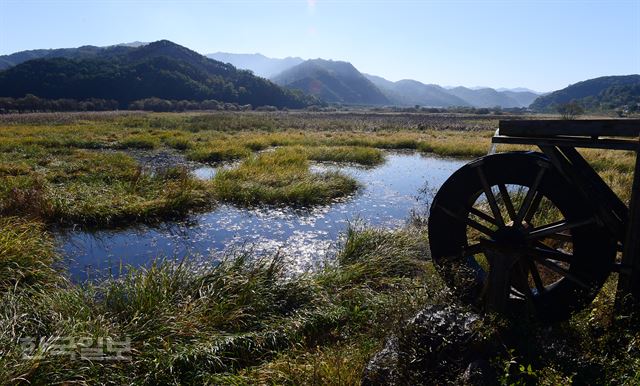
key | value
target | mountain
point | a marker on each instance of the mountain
(332, 81)
(257, 63)
(485, 97)
(518, 89)
(409, 92)
(522, 98)
(83, 52)
(604, 93)
(14, 59)
(131, 44)
(405, 92)
(160, 69)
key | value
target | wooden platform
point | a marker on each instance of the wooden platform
(595, 134)
(573, 128)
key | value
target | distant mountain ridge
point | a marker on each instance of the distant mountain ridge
(488, 97)
(332, 81)
(160, 69)
(517, 89)
(603, 93)
(331, 84)
(409, 92)
(164, 69)
(258, 63)
(83, 52)
(406, 92)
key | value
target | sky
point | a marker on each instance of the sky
(543, 45)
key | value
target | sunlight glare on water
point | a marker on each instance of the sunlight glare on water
(405, 182)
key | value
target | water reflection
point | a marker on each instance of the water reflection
(390, 193)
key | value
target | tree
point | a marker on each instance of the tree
(570, 110)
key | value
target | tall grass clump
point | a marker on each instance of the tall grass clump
(178, 142)
(139, 141)
(218, 152)
(27, 253)
(242, 320)
(280, 177)
(372, 253)
(98, 189)
(353, 154)
(27, 196)
(144, 197)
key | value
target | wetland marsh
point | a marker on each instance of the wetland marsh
(189, 226)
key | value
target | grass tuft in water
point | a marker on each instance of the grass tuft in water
(277, 177)
(218, 152)
(353, 154)
(100, 190)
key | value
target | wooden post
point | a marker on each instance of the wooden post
(628, 295)
(499, 281)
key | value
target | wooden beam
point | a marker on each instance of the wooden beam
(628, 295)
(605, 143)
(584, 128)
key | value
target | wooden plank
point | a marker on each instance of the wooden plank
(586, 128)
(614, 144)
(628, 295)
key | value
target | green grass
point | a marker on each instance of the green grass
(218, 152)
(178, 141)
(139, 141)
(98, 189)
(238, 320)
(352, 154)
(246, 321)
(281, 176)
(26, 254)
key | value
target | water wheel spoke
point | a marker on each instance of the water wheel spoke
(562, 236)
(490, 197)
(535, 274)
(466, 251)
(528, 200)
(559, 270)
(535, 204)
(556, 228)
(483, 215)
(472, 223)
(546, 252)
(504, 193)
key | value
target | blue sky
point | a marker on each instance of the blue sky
(544, 45)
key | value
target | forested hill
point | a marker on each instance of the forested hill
(83, 52)
(332, 81)
(161, 69)
(598, 94)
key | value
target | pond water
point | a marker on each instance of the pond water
(390, 193)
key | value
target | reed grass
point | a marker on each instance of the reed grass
(351, 154)
(99, 189)
(139, 141)
(238, 320)
(247, 320)
(218, 152)
(277, 177)
(27, 253)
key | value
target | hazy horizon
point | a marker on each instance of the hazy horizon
(539, 45)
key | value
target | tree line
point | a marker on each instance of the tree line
(31, 103)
